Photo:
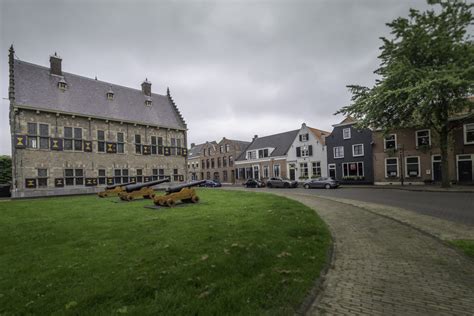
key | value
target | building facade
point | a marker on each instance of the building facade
(218, 159)
(265, 157)
(194, 162)
(349, 153)
(73, 135)
(307, 157)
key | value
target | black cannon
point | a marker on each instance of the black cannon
(144, 190)
(115, 189)
(182, 192)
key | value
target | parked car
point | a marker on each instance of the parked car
(211, 184)
(281, 183)
(323, 182)
(252, 183)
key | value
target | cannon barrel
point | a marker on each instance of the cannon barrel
(110, 187)
(178, 188)
(138, 186)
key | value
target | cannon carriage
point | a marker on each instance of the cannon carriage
(113, 190)
(183, 192)
(140, 190)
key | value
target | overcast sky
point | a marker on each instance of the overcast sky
(235, 68)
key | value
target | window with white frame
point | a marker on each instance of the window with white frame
(346, 133)
(353, 169)
(316, 169)
(357, 150)
(338, 152)
(305, 151)
(276, 171)
(390, 141)
(304, 137)
(74, 176)
(469, 133)
(262, 153)
(423, 138)
(252, 154)
(391, 167)
(227, 148)
(266, 174)
(304, 169)
(256, 172)
(412, 167)
(42, 178)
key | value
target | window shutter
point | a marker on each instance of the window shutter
(300, 138)
(307, 136)
(298, 151)
(310, 148)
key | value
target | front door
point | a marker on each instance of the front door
(292, 174)
(332, 171)
(437, 168)
(465, 171)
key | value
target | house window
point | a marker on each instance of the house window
(338, 152)
(390, 141)
(42, 178)
(154, 149)
(138, 144)
(213, 163)
(352, 169)
(357, 150)
(139, 175)
(207, 164)
(120, 143)
(117, 176)
(148, 102)
(391, 167)
(412, 167)
(155, 175)
(32, 135)
(73, 138)
(252, 154)
(221, 149)
(469, 133)
(346, 133)
(219, 162)
(160, 145)
(62, 84)
(231, 161)
(224, 176)
(256, 172)
(175, 175)
(266, 174)
(316, 169)
(423, 138)
(203, 164)
(304, 169)
(209, 151)
(227, 148)
(173, 146)
(276, 171)
(305, 151)
(101, 141)
(74, 176)
(125, 177)
(304, 137)
(262, 153)
(44, 136)
(110, 95)
(224, 161)
(101, 177)
(178, 147)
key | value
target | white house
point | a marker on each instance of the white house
(307, 156)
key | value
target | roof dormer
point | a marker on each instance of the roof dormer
(110, 94)
(62, 84)
(148, 101)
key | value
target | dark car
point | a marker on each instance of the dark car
(323, 182)
(211, 184)
(281, 183)
(252, 183)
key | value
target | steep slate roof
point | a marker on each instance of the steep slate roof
(319, 134)
(281, 142)
(36, 88)
(240, 143)
(348, 120)
(195, 151)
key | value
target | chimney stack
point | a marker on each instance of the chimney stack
(146, 87)
(55, 62)
(193, 145)
(254, 137)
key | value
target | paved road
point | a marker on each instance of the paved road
(457, 207)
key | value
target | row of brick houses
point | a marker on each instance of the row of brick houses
(72, 134)
(352, 155)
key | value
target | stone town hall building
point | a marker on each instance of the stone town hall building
(72, 134)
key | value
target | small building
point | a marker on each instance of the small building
(194, 162)
(217, 159)
(72, 135)
(463, 150)
(349, 153)
(307, 157)
(265, 157)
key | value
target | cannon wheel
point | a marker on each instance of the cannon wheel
(170, 203)
(195, 199)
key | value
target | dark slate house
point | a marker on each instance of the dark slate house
(349, 153)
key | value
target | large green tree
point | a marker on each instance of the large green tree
(425, 76)
(5, 169)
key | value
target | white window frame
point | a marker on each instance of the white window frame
(334, 152)
(398, 167)
(344, 130)
(465, 134)
(353, 152)
(275, 167)
(385, 141)
(256, 167)
(406, 167)
(302, 167)
(304, 137)
(304, 151)
(266, 172)
(416, 136)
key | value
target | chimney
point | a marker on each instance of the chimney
(55, 62)
(254, 137)
(193, 145)
(146, 87)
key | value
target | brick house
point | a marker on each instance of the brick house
(265, 157)
(72, 134)
(217, 159)
(307, 156)
(194, 162)
(349, 153)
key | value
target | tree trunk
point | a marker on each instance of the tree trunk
(443, 144)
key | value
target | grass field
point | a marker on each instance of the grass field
(467, 246)
(234, 253)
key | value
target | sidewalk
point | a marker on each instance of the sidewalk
(424, 188)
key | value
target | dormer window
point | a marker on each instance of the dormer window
(110, 94)
(148, 101)
(62, 84)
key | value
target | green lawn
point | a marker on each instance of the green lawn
(234, 253)
(467, 246)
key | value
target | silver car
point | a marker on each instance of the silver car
(323, 182)
(281, 183)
